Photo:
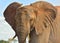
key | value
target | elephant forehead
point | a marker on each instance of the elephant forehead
(31, 14)
(30, 11)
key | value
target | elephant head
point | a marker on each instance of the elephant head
(38, 17)
(10, 13)
(31, 17)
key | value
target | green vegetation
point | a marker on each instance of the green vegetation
(2, 41)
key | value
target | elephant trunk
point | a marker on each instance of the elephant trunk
(22, 25)
(22, 33)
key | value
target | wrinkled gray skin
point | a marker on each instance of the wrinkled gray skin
(34, 20)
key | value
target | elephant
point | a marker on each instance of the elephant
(35, 20)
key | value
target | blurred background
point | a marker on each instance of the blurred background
(6, 32)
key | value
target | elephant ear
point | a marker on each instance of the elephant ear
(39, 23)
(44, 19)
(45, 14)
(10, 12)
